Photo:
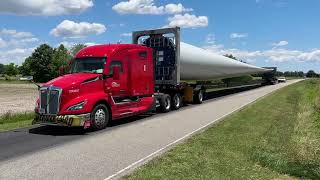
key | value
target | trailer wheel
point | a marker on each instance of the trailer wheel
(198, 97)
(100, 117)
(176, 102)
(165, 103)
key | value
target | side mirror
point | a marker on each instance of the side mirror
(61, 70)
(116, 72)
(31, 80)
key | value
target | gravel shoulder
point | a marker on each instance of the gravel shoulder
(17, 98)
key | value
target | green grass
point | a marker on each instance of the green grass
(13, 121)
(277, 137)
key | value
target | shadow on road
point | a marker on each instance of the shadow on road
(57, 131)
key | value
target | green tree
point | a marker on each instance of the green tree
(25, 69)
(233, 57)
(301, 74)
(312, 74)
(61, 57)
(230, 56)
(39, 64)
(11, 69)
(1, 68)
(279, 73)
(76, 48)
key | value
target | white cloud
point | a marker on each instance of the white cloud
(69, 45)
(241, 54)
(148, 7)
(274, 54)
(215, 48)
(176, 9)
(283, 55)
(17, 55)
(15, 45)
(45, 8)
(15, 34)
(3, 43)
(126, 34)
(281, 43)
(188, 21)
(66, 44)
(70, 29)
(90, 44)
(29, 40)
(238, 35)
(210, 39)
(13, 38)
(276, 3)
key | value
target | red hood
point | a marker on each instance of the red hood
(70, 80)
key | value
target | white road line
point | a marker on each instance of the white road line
(180, 139)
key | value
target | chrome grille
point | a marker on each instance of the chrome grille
(50, 100)
(43, 98)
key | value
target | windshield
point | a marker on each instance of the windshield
(88, 65)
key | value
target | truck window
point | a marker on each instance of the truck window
(88, 65)
(115, 63)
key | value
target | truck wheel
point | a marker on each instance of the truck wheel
(198, 97)
(100, 117)
(176, 102)
(165, 103)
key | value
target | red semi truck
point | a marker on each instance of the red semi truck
(104, 82)
(109, 82)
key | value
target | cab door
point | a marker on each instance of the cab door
(119, 87)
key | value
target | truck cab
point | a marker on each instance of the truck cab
(103, 83)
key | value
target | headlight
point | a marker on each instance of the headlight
(77, 106)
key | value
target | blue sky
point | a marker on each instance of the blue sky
(278, 33)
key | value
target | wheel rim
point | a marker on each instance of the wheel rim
(176, 100)
(200, 96)
(168, 103)
(100, 117)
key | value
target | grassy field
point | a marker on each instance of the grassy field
(277, 137)
(13, 121)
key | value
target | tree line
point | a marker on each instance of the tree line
(44, 63)
(309, 74)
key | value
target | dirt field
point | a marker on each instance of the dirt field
(16, 98)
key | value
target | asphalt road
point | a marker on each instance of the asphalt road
(43, 152)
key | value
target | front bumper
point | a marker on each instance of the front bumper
(63, 120)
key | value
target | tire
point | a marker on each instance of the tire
(176, 101)
(99, 117)
(165, 103)
(198, 97)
